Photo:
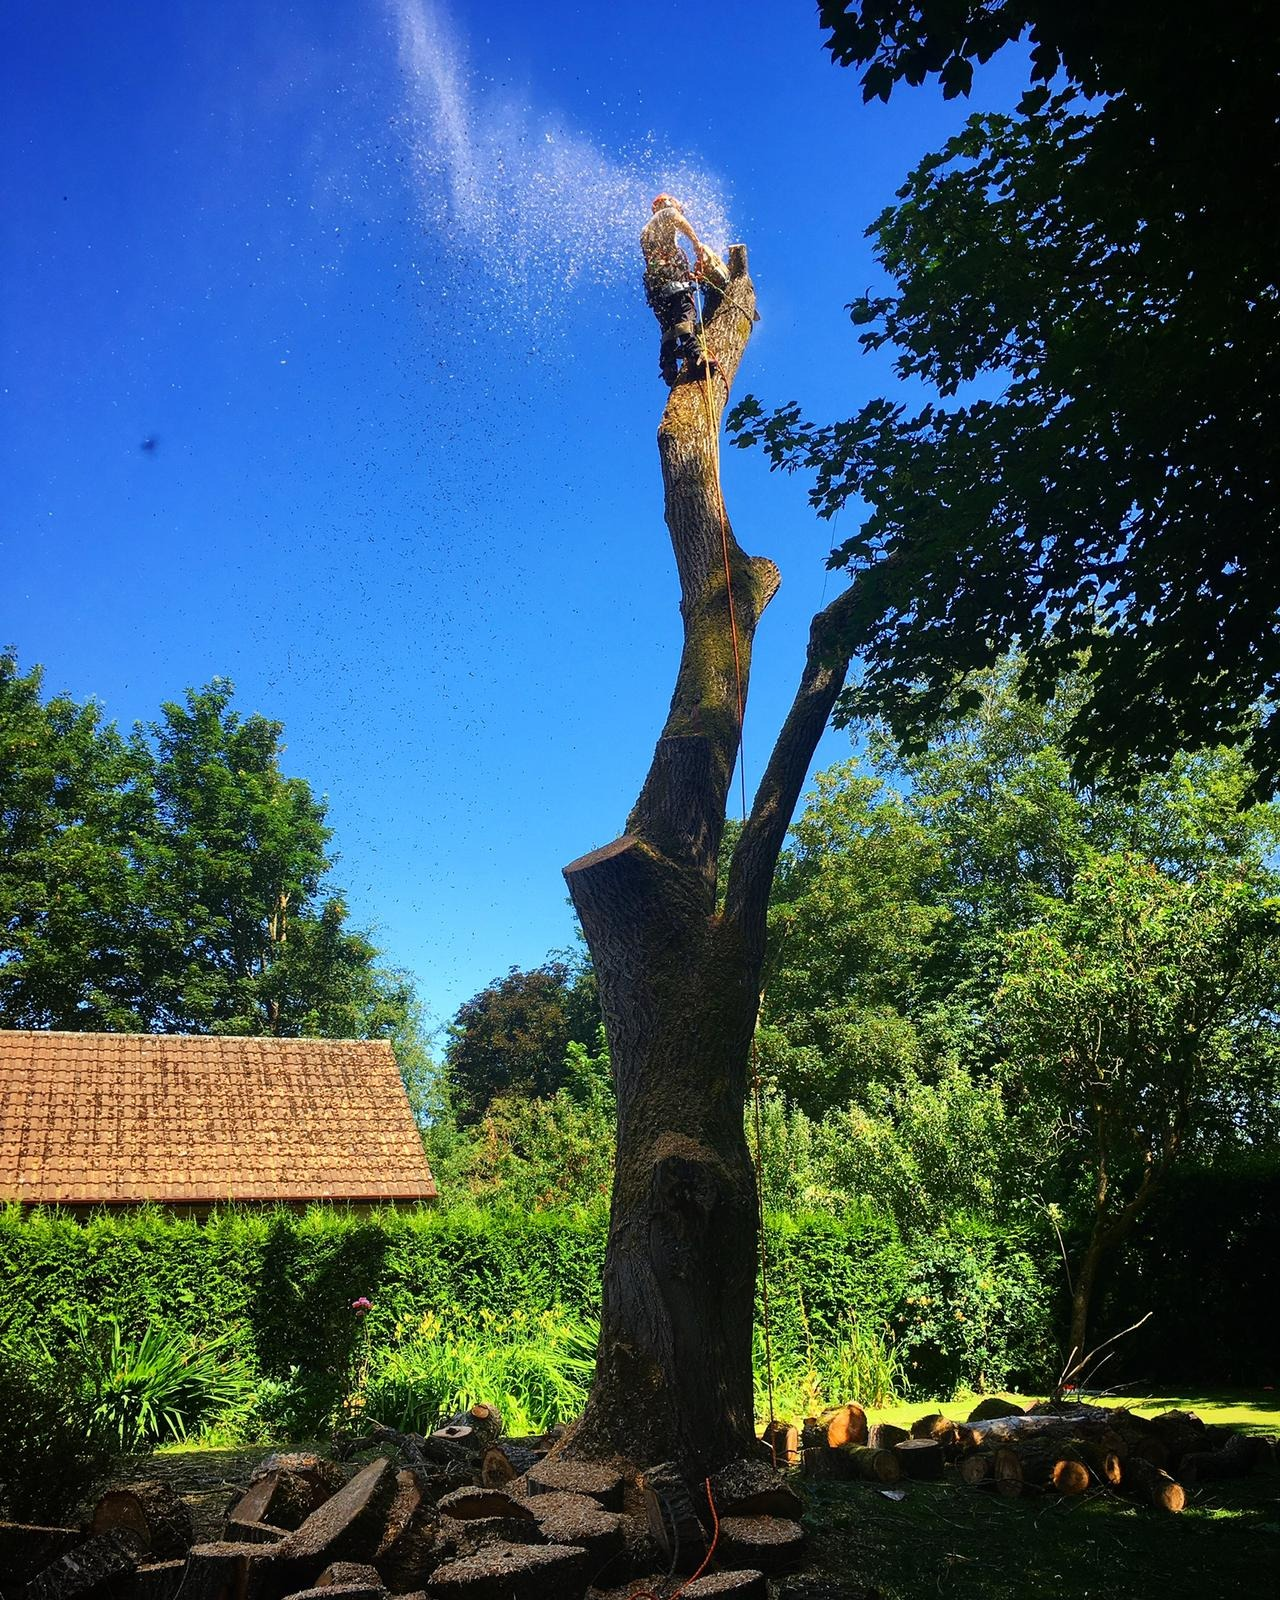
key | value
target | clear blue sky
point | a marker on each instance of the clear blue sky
(365, 274)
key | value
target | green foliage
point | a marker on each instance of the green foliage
(53, 1450)
(535, 1366)
(858, 1361)
(512, 1039)
(176, 881)
(158, 1386)
(496, 1286)
(1102, 263)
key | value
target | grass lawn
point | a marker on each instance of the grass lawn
(947, 1539)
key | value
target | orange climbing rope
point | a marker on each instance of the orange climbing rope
(648, 1594)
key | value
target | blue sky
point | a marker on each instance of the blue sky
(364, 273)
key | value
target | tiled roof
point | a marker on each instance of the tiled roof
(109, 1118)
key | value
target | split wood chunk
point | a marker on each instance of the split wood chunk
(740, 1585)
(505, 1461)
(88, 1568)
(409, 1549)
(936, 1427)
(845, 1424)
(993, 1406)
(1153, 1485)
(885, 1435)
(921, 1459)
(976, 1467)
(324, 1476)
(671, 1516)
(152, 1512)
(347, 1527)
(878, 1466)
(780, 1442)
(283, 1498)
(467, 1505)
(753, 1489)
(223, 1571)
(514, 1572)
(577, 1477)
(763, 1544)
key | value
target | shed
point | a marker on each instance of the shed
(109, 1119)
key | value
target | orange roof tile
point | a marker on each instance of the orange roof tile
(112, 1118)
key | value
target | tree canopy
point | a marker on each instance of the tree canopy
(1086, 293)
(173, 880)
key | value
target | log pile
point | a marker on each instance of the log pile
(460, 1513)
(1064, 1449)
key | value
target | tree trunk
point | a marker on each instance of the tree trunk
(679, 982)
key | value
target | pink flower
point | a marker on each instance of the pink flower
(362, 1307)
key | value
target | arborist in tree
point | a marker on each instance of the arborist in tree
(669, 287)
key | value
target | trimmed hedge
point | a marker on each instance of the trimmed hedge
(972, 1308)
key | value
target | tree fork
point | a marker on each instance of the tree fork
(679, 982)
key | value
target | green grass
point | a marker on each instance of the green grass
(1250, 1410)
(947, 1539)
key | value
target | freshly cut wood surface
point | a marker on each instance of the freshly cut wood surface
(151, 1511)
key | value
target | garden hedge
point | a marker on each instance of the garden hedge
(969, 1308)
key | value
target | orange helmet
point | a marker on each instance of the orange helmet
(662, 200)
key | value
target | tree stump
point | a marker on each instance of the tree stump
(752, 1489)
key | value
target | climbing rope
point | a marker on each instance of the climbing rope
(648, 1594)
(713, 434)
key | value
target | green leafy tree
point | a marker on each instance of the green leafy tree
(72, 795)
(1144, 1006)
(513, 1037)
(1086, 292)
(176, 881)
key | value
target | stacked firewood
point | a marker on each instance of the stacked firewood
(461, 1513)
(1064, 1449)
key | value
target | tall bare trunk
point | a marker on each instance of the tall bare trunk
(679, 982)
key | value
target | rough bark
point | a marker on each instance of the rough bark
(679, 982)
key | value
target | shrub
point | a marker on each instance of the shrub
(53, 1450)
(159, 1386)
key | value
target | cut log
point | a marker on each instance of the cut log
(348, 1527)
(1104, 1463)
(1236, 1458)
(763, 1544)
(885, 1435)
(741, 1585)
(152, 1512)
(1082, 1422)
(348, 1572)
(920, 1458)
(408, 1551)
(88, 1568)
(553, 1476)
(236, 1532)
(878, 1466)
(999, 1470)
(846, 1424)
(325, 1477)
(483, 1425)
(1054, 1467)
(935, 1426)
(780, 1444)
(753, 1489)
(671, 1516)
(1153, 1485)
(221, 1571)
(505, 1461)
(514, 1572)
(576, 1520)
(283, 1498)
(469, 1505)
(26, 1548)
(994, 1406)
